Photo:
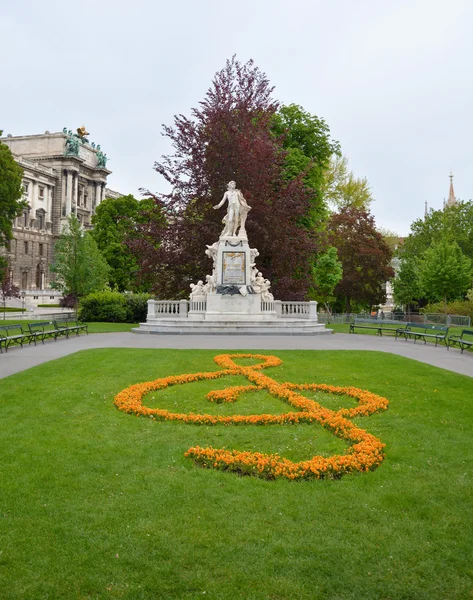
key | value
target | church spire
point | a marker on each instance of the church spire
(451, 195)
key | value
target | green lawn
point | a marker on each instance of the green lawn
(95, 503)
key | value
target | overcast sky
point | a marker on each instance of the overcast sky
(393, 80)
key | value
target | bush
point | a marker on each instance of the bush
(137, 307)
(114, 307)
(107, 307)
(456, 307)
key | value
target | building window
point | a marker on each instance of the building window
(41, 193)
(26, 187)
(24, 280)
(25, 247)
(39, 278)
(41, 249)
(85, 200)
(25, 219)
(40, 218)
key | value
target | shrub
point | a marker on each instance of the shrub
(456, 307)
(105, 307)
(137, 307)
(114, 307)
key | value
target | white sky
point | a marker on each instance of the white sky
(392, 78)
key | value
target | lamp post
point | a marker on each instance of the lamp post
(23, 294)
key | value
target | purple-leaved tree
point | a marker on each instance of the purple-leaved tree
(228, 137)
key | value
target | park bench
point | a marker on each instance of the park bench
(47, 329)
(461, 340)
(72, 326)
(424, 332)
(386, 326)
(13, 334)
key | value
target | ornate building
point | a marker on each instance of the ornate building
(64, 174)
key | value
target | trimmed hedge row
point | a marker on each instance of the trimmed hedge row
(114, 307)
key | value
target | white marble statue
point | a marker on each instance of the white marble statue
(258, 283)
(237, 212)
(212, 252)
(253, 254)
(266, 295)
(211, 283)
(197, 289)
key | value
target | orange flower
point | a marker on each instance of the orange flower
(365, 452)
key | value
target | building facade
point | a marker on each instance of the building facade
(64, 174)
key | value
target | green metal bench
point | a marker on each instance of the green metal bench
(417, 331)
(13, 334)
(72, 326)
(460, 340)
(47, 329)
(386, 326)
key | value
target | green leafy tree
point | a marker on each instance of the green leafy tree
(11, 189)
(341, 189)
(309, 147)
(445, 272)
(79, 266)
(454, 224)
(328, 271)
(114, 223)
(407, 288)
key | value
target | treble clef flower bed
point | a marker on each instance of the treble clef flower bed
(364, 453)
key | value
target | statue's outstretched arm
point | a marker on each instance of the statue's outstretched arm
(221, 203)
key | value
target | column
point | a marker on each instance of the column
(32, 197)
(76, 190)
(69, 193)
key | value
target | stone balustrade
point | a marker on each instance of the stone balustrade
(180, 308)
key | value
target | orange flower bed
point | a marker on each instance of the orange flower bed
(364, 453)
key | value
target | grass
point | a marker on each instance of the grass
(95, 503)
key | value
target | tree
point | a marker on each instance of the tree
(445, 272)
(114, 222)
(454, 224)
(11, 189)
(341, 189)
(78, 264)
(306, 139)
(328, 271)
(406, 285)
(228, 138)
(7, 288)
(364, 255)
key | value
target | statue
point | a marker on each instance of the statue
(197, 289)
(101, 158)
(82, 133)
(253, 254)
(237, 211)
(212, 252)
(211, 283)
(72, 144)
(266, 295)
(258, 282)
